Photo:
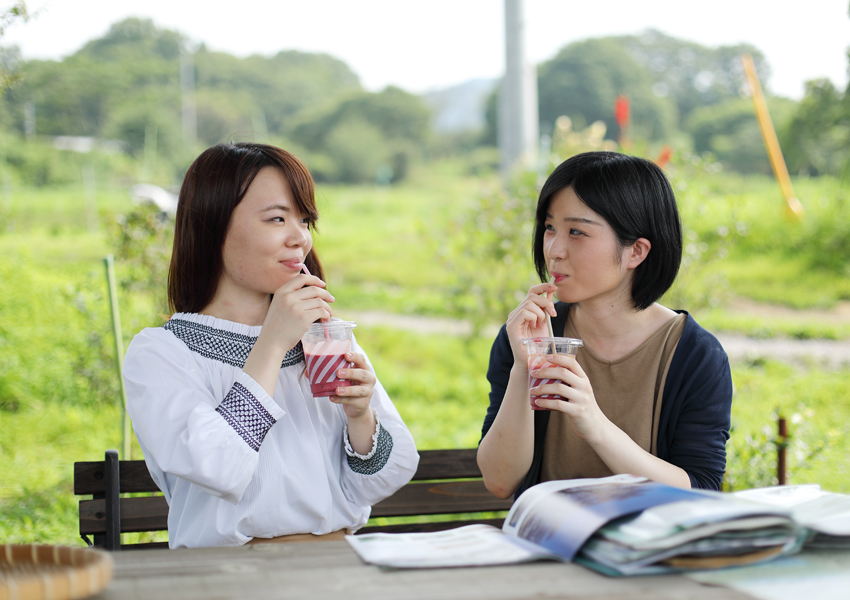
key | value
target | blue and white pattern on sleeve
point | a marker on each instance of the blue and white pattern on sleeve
(246, 415)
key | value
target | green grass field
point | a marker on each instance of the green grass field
(57, 389)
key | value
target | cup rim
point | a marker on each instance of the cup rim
(333, 325)
(552, 340)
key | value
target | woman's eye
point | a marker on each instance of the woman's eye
(277, 219)
(576, 232)
(549, 227)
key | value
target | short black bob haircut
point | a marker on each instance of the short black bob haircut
(635, 198)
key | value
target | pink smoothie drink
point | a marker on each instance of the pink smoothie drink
(325, 345)
(538, 349)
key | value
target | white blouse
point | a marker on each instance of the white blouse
(235, 463)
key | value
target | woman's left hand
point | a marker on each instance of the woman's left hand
(588, 420)
(355, 398)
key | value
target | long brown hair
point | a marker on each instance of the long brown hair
(214, 184)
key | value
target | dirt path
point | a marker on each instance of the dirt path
(829, 354)
(840, 313)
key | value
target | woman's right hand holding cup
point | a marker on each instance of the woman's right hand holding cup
(529, 319)
(295, 306)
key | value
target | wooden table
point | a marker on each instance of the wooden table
(332, 570)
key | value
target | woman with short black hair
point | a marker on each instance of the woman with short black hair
(650, 391)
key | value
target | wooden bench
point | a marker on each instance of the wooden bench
(446, 485)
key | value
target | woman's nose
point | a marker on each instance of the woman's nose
(297, 237)
(557, 249)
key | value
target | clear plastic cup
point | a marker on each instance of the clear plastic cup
(325, 345)
(538, 349)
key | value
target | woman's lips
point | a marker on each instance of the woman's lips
(559, 277)
(295, 265)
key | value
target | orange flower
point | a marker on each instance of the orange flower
(664, 158)
(621, 111)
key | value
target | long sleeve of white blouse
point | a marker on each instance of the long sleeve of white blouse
(206, 430)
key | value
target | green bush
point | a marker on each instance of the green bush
(357, 149)
(487, 251)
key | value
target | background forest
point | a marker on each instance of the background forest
(424, 244)
(124, 90)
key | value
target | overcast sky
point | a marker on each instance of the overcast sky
(422, 46)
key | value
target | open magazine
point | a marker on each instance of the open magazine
(619, 525)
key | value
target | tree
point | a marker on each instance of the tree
(400, 119)
(690, 74)
(126, 84)
(279, 87)
(730, 131)
(16, 13)
(817, 137)
(583, 81)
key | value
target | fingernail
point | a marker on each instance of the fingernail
(341, 373)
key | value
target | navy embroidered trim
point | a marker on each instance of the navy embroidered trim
(224, 346)
(370, 466)
(246, 415)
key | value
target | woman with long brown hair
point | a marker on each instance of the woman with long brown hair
(218, 396)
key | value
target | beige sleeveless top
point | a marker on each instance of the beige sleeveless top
(629, 391)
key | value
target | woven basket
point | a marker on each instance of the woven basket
(31, 571)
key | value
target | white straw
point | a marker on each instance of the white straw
(548, 318)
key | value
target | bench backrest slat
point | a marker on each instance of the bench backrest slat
(137, 514)
(439, 498)
(447, 464)
(89, 478)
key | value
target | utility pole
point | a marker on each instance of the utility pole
(29, 120)
(187, 94)
(518, 116)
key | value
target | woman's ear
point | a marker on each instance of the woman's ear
(637, 252)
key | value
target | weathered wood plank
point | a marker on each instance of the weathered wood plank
(89, 477)
(331, 570)
(137, 514)
(447, 464)
(440, 498)
(433, 464)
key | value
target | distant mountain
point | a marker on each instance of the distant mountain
(460, 107)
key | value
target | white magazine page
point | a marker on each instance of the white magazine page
(810, 506)
(472, 545)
